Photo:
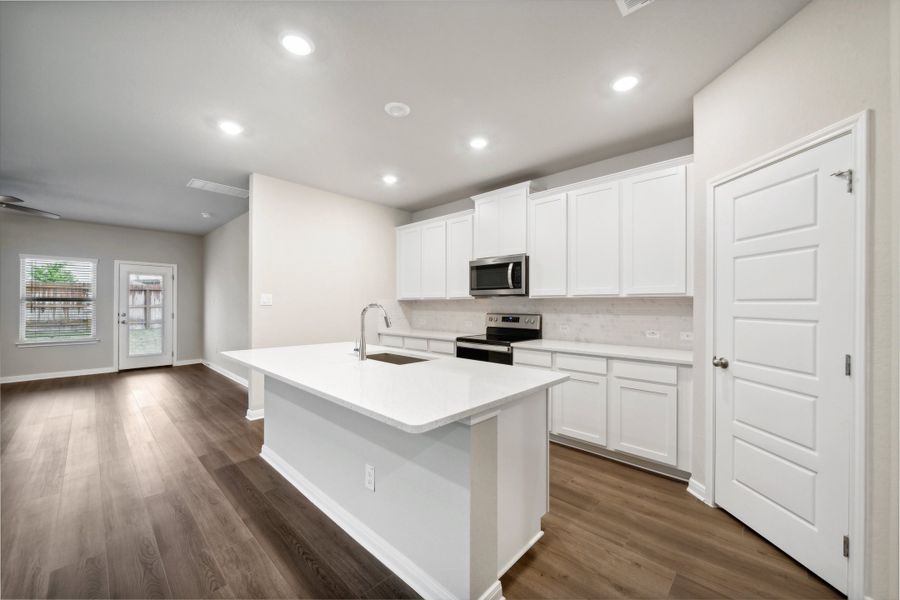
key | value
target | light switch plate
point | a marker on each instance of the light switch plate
(265, 299)
(370, 478)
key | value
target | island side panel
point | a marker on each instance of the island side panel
(418, 521)
(522, 476)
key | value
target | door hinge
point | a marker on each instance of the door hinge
(848, 175)
(848, 365)
(847, 545)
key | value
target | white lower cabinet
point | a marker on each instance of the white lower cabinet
(643, 415)
(418, 344)
(579, 408)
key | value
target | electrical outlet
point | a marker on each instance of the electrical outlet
(563, 328)
(687, 336)
(370, 478)
(653, 334)
(265, 299)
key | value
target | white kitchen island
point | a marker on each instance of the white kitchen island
(459, 449)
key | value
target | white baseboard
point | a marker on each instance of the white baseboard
(186, 362)
(55, 375)
(698, 490)
(393, 559)
(495, 592)
(520, 553)
(223, 371)
(254, 414)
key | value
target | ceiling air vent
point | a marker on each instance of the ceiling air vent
(629, 6)
(218, 188)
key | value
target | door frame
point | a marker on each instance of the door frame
(857, 127)
(116, 264)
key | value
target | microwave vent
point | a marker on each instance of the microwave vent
(218, 188)
(629, 6)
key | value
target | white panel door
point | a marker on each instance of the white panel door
(434, 260)
(146, 315)
(579, 408)
(459, 253)
(594, 240)
(654, 218)
(409, 263)
(784, 302)
(487, 228)
(547, 246)
(643, 419)
(511, 226)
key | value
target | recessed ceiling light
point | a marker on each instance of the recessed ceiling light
(478, 143)
(230, 127)
(623, 84)
(389, 179)
(205, 215)
(397, 109)
(298, 45)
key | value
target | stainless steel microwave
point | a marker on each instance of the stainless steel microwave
(499, 276)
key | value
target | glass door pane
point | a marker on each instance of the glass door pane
(145, 314)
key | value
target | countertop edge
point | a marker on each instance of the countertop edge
(610, 351)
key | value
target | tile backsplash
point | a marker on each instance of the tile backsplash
(630, 321)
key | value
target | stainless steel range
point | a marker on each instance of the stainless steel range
(495, 345)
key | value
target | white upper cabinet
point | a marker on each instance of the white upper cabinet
(547, 245)
(459, 253)
(654, 233)
(434, 260)
(409, 262)
(500, 221)
(594, 240)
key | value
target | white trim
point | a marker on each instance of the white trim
(698, 491)
(495, 592)
(73, 342)
(55, 375)
(255, 414)
(393, 559)
(526, 185)
(187, 361)
(447, 217)
(857, 127)
(115, 306)
(636, 171)
(223, 371)
(520, 554)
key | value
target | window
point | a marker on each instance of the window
(58, 299)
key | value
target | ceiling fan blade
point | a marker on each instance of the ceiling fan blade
(29, 211)
(11, 200)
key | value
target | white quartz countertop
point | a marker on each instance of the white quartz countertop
(415, 398)
(422, 333)
(664, 355)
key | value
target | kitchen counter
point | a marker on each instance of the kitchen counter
(438, 468)
(665, 355)
(415, 398)
(447, 336)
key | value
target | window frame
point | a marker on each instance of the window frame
(22, 342)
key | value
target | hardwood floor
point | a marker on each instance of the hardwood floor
(148, 484)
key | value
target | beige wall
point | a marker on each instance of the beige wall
(827, 63)
(321, 255)
(226, 293)
(30, 235)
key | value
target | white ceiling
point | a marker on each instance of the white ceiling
(108, 109)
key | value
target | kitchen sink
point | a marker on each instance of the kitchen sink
(394, 359)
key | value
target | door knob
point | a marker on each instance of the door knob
(722, 363)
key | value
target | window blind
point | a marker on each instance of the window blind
(58, 298)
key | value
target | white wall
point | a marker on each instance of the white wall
(30, 235)
(616, 164)
(226, 293)
(828, 62)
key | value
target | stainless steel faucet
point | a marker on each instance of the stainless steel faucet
(362, 327)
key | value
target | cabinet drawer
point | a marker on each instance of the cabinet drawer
(391, 340)
(441, 346)
(645, 371)
(415, 344)
(532, 358)
(578, 362)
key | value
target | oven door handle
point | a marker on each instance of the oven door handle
(488, 347)
(509, 275)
